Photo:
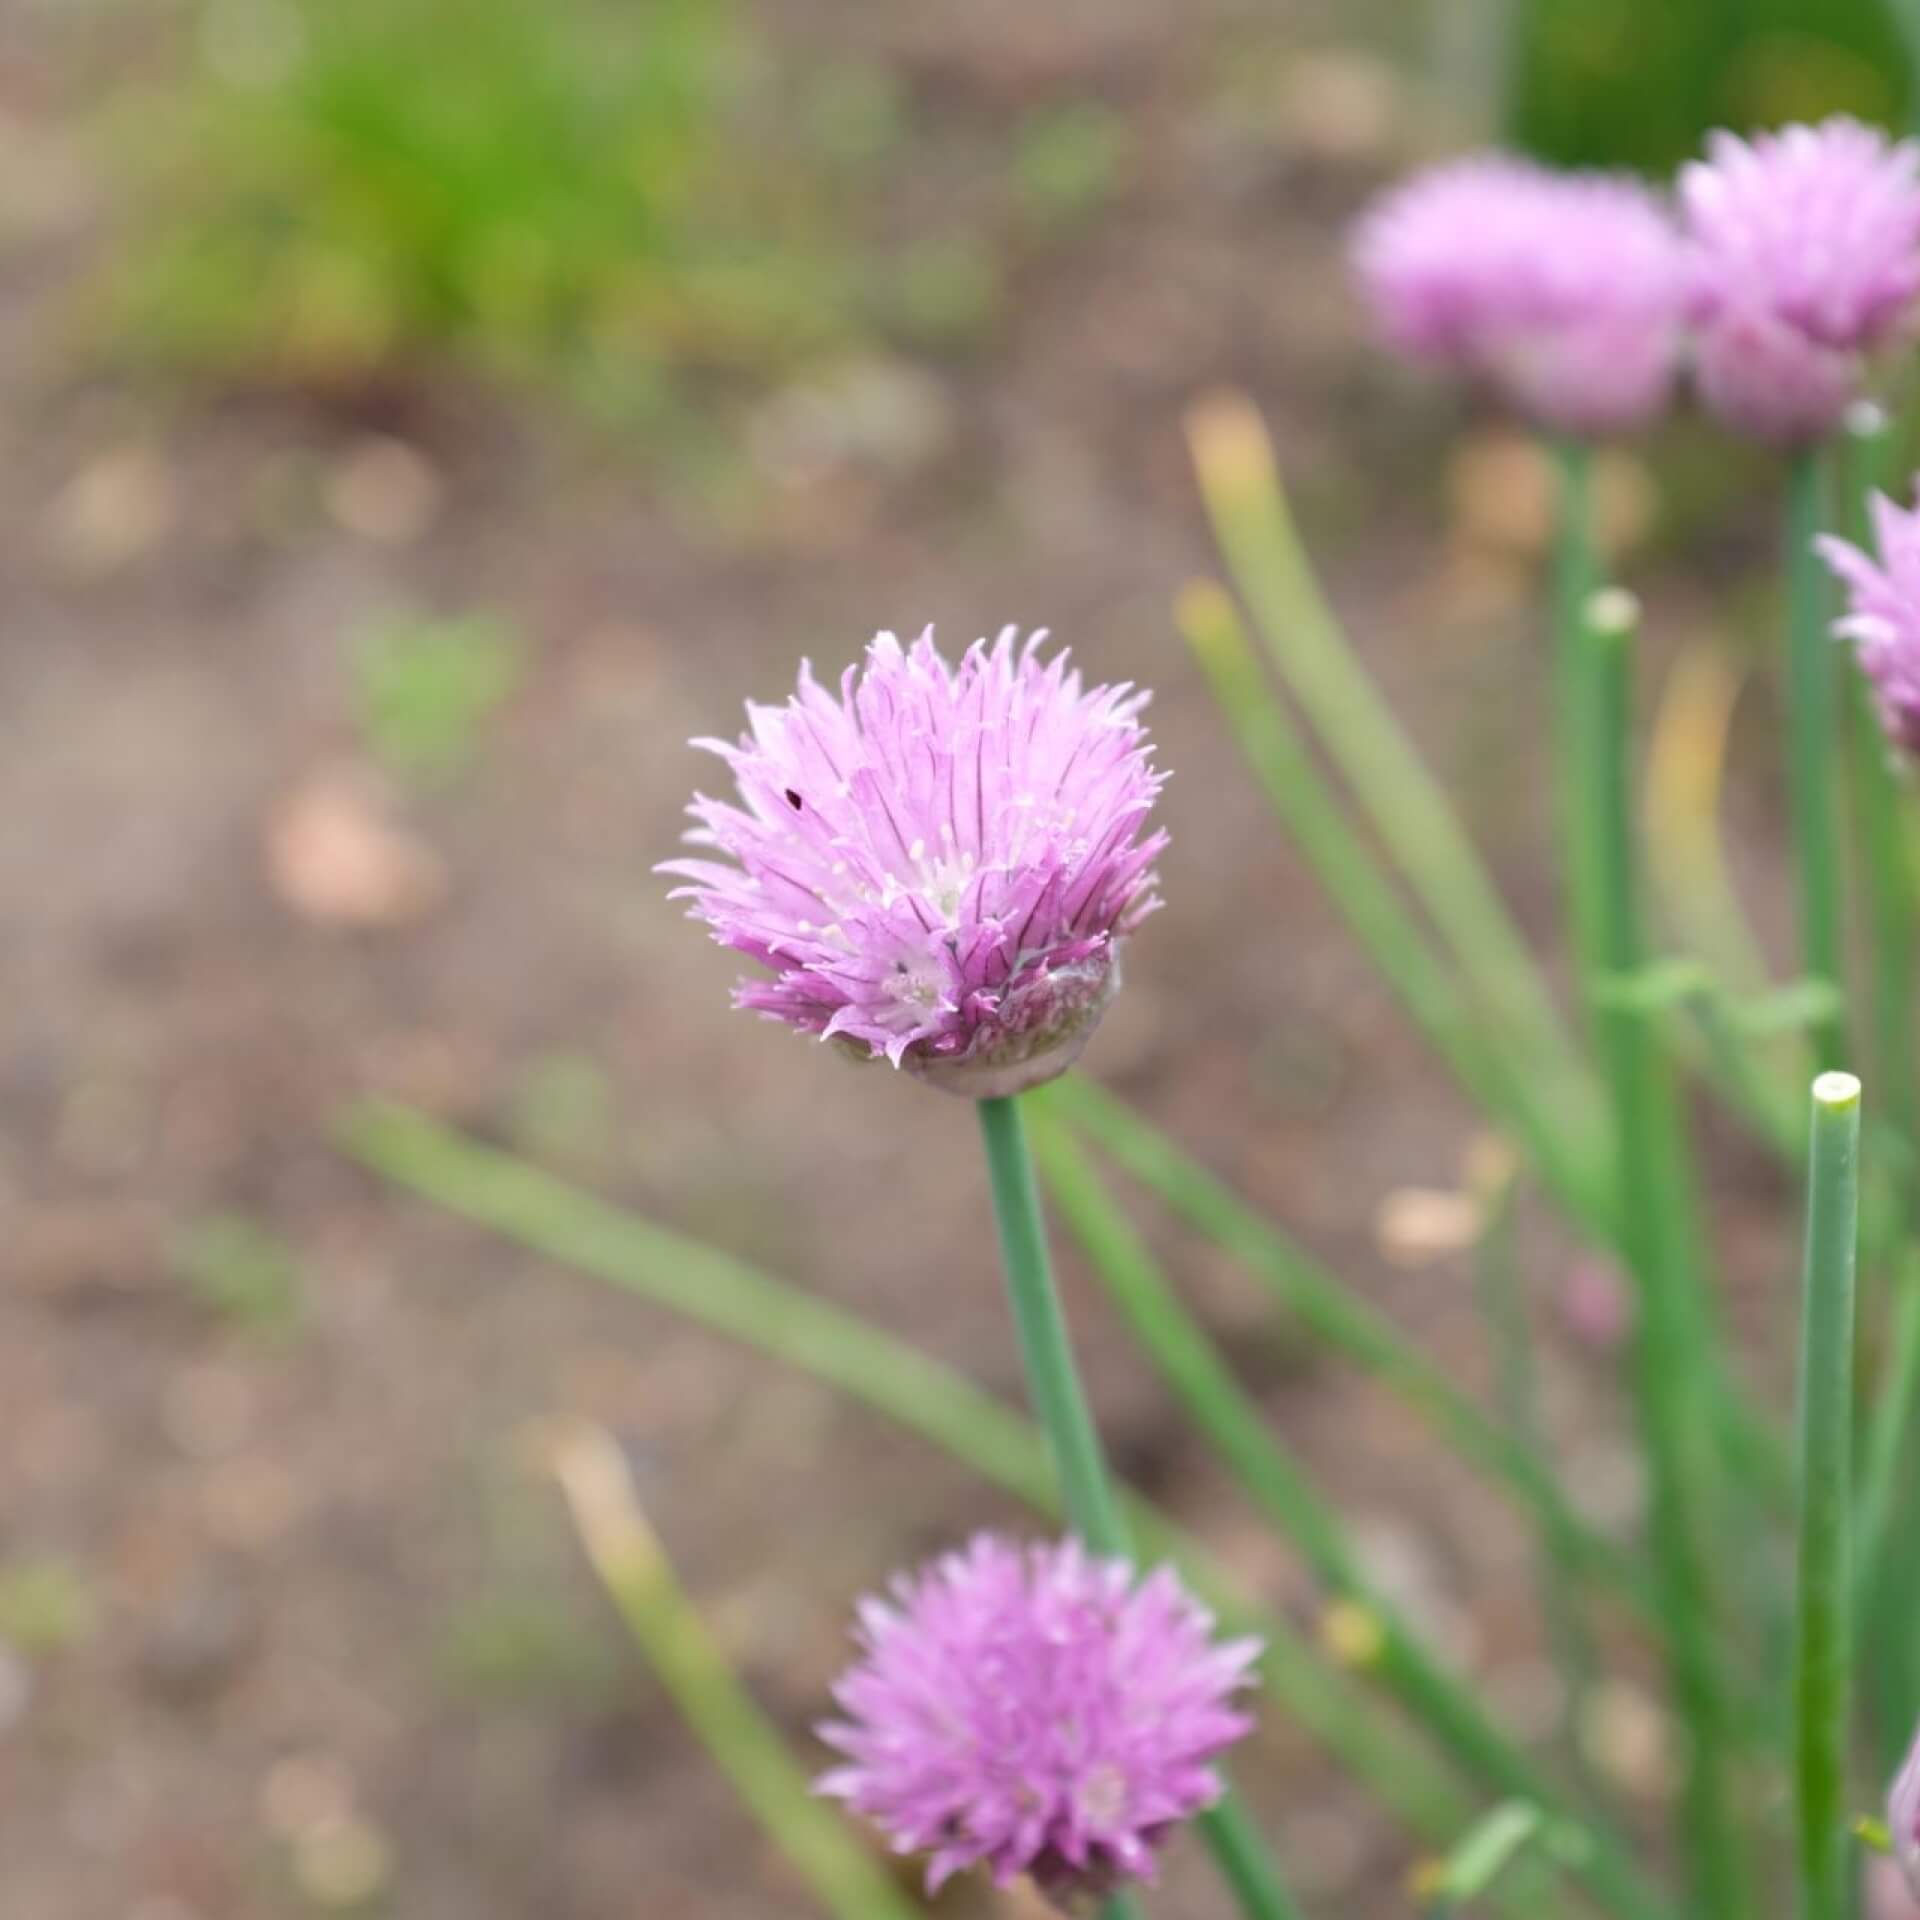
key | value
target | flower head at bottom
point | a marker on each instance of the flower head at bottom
(1036, 1710)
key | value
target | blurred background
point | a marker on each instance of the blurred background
(420, 417)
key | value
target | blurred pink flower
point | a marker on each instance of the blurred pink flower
(1903, 1818)
(1563, 291)
(1883, 615)
(1035, 1710)
(939, 865)
(1596, 1304)
(1885, 1893)
(1804, 257)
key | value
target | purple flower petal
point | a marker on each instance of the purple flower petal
(1804, 256)
(1882, 620)
(1035, 1710)
(939, 865)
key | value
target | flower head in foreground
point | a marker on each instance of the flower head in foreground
(937, 865)
(1038, 1711)
(1564, 291)
(1805, 257)
(1903, 1817)
(1883, 616)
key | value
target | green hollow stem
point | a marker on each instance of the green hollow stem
(1575, 576)
(1348, 1325)
(1193, 1370)
(1674, 1351)
(1395, 940)
(1812, 740)
(711, 1289)
(1060, 1405)
(1881, 809)
(1884, 1554)
(1503, 1306)
(1882, 801)
(1887, 1554)
(1252, 522)
(1823, 1649)
(669, 1630)
(1046, 1352)
(1906, 16)
(1891, 1418)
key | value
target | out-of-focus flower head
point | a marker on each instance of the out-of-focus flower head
(1883, 615)
(938, 865)
(1903, 1817)
(1036, 1710)
(1884, 1891)
(1566, 292)
(1804, 259)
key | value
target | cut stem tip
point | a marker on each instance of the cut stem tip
(1837, 1090)
(1867, 420)
(1613, 611)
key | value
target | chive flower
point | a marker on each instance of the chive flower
(938, 865)
(1563, 292)
(1903, 1817)
(1036, 1710)
(1805, 259)
(1883, 615)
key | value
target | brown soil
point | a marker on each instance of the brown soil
(292, 1544)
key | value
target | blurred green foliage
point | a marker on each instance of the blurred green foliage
(45, 1605)
(424, 690)
(1638, 82)
(337, 189)
(1066, 161)
(524, 1650)
(241, 1271)
(944, 294)
(566, 1110)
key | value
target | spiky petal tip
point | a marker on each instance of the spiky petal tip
(1882, 620)
(939, 864)
(1033, 1709)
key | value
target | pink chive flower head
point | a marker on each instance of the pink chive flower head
(938, 864)
(1036, 1710)
(1903, 1817)
(1565, 292)
(1804, 253)
(1883, 615)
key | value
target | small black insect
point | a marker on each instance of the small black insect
(793, 800)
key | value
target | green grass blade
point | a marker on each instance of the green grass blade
(747, 1747)
(1886, 1556)
(1678, 1367)
(1503, 1306)
(1881, 791)
(1345, 1323)
(1575, 576)
(1395, 940)
(1241, 487)
(1487, 1852)
(1193, 1370)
